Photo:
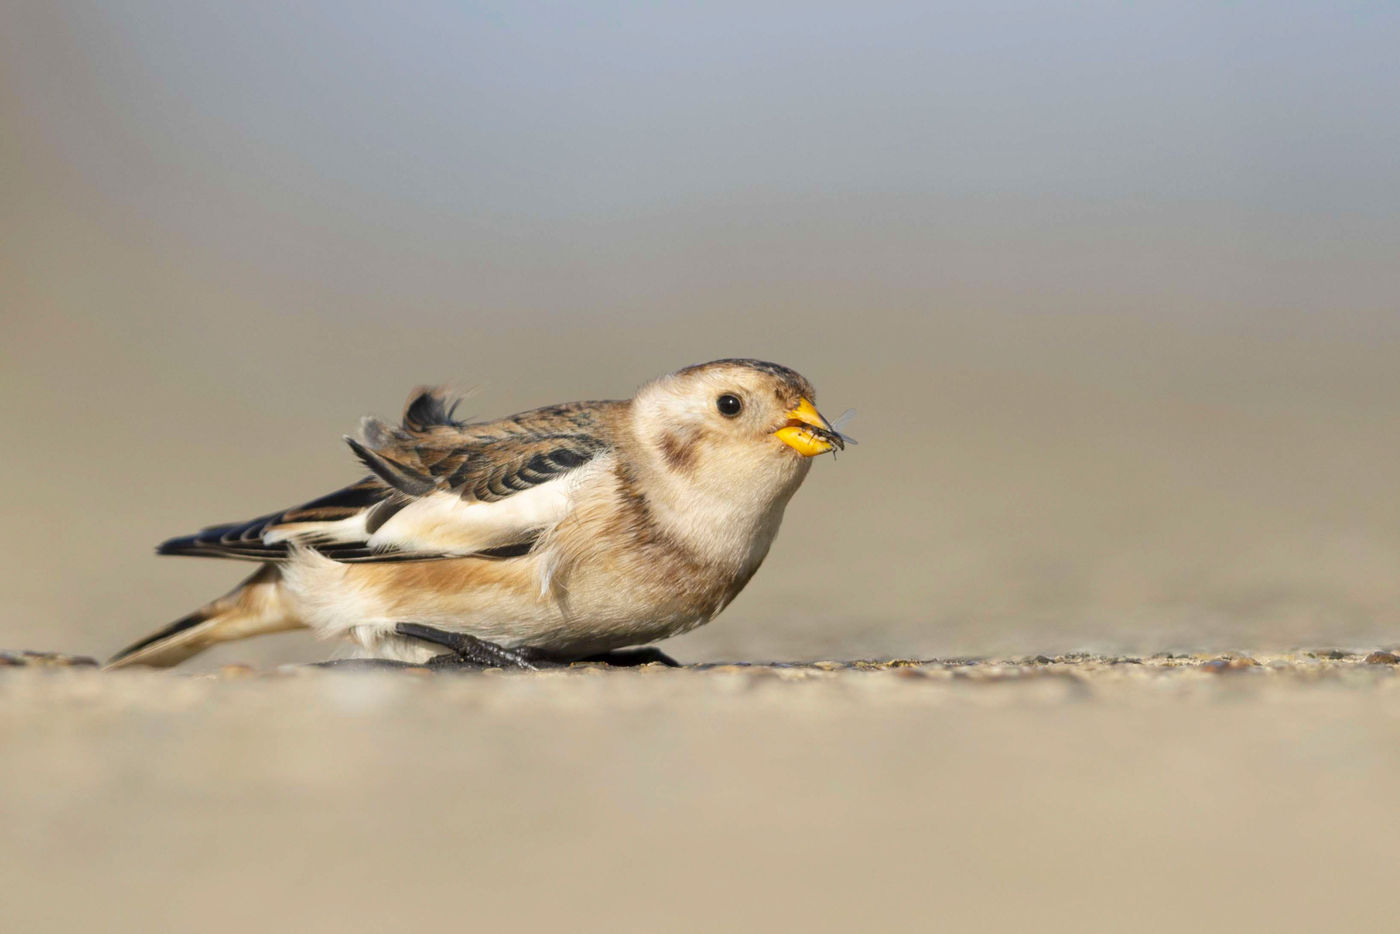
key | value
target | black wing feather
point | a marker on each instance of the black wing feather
(399, 476)
(510, 465)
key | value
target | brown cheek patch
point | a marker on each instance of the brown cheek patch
(679, 450)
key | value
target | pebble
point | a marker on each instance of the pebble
(1229, 663)
(27, 659)
(236, 671)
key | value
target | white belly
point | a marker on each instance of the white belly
(364, 602)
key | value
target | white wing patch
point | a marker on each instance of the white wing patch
(350, 529)
(444, 523)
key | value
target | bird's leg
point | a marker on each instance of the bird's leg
(632, 658)
(466, 651)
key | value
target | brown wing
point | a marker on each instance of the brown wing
(429, 454)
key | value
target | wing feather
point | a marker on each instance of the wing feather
(439, 488)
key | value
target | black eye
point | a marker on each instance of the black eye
(729, 405)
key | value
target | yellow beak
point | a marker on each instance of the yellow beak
(807, 432)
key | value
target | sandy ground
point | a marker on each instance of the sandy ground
(1075, 793)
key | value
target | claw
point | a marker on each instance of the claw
(467, 651)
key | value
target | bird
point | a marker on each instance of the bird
(575, 531)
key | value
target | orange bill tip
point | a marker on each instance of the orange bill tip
(807, 432)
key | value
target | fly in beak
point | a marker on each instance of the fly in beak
(808, 433)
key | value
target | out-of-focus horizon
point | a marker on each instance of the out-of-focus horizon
(1112, 288)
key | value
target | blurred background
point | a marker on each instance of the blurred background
(1113, 289)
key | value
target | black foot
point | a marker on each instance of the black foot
(631, 658)
(466, 651)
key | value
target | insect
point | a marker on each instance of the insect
(831, 432)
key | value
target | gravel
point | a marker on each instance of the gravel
(1071, 792)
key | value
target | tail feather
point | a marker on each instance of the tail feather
(252, 608)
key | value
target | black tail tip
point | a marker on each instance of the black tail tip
(184, 545)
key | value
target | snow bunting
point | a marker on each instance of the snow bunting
(553, 535)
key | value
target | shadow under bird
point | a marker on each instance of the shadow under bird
(564, 533)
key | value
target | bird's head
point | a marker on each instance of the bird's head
(732, 422)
